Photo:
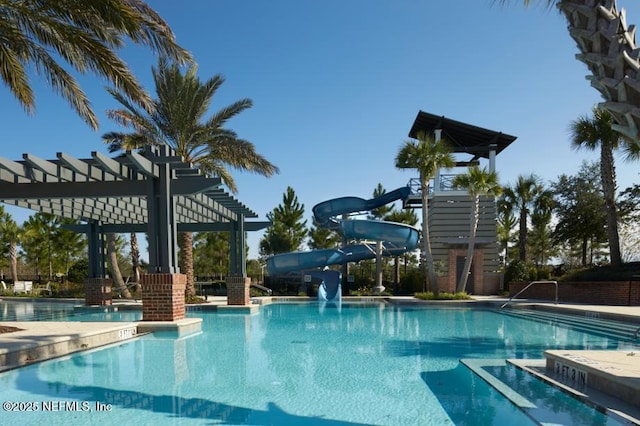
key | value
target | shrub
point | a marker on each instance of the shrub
(443, 296)
(516, 271)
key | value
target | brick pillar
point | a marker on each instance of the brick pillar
(238, 290)
(97, 291)
(163, 297)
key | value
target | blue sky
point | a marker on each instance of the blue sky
(336, 85)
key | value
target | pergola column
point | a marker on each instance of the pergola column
(238, 284)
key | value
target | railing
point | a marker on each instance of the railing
(444, 185)
(529, 285)
(261, 287)
(635, 335)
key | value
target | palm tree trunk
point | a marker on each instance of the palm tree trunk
(114, 269)
(522, 236)
(432, 281)
(13, 260)
(608, 176)
(473, 228)
(185, 240)
(135, 258)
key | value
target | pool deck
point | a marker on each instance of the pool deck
(619, 370)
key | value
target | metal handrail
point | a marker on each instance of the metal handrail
(529, 285)
(263, 288)
(635, 335)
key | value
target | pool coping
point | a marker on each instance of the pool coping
(44, 340)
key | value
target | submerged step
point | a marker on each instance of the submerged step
(592, 325)
(542, 402)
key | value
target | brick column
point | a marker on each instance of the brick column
(163, 297)
(238, 290)
(97, 291)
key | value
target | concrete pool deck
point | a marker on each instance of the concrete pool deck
(41, 340)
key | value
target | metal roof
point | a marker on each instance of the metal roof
(462, 136)
(115, 190)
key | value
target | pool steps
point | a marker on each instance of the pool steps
(588, 322)
(626, 414)
(605, 376)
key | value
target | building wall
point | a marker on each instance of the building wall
(616, 293)
(449, 219)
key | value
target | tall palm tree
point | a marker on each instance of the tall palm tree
(597, 133)
(84, 34)
(522, 198)
(177, 118)
(602, 36)
(478, 182)
(114, 267)
(427, 155)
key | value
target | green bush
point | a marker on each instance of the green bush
(443, 296)
(516, 271)
(411, 282)
(79, 271)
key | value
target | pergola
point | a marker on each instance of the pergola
(154, 192)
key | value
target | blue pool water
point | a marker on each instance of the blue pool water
(298, 364)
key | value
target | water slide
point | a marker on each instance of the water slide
(396, 238)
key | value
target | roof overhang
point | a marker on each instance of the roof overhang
(463, 137)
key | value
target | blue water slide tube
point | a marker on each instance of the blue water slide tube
(327, 210)
(397, 238)
(330, 289)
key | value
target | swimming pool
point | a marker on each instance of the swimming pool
(298, 364)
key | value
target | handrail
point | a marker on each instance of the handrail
(261, 287)
(635, 334)
(529, 285)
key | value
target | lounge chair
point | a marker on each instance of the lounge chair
(46, 289)
(23, 287)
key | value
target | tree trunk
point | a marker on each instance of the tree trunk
(522, 236)
(473, 228)
(185, 240)
(135, 258)
(584, 251)
(432, 281)
(608, 176)
(13, 260)
(114, 269)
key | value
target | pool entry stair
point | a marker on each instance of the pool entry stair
(606, 380)
(589, 322)
(525, 384)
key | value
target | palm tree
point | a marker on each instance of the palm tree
(478, 182)
(86, 35)
(114, 267)
(506, 222)
(177, 119)
(594, 133)
(522, 197)
(427, 155)
(601, 34)
(10, 237)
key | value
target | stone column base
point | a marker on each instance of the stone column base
(163, 297)
(97, 291)
(238, 290)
